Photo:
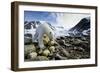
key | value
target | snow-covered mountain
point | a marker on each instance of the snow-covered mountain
(30, 28)
(82, 28)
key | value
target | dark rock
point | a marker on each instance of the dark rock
(62, 42)
(62, 38)
(79, 49)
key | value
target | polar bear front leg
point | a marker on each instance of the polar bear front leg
(40, 40)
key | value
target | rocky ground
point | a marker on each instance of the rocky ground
(63, 48)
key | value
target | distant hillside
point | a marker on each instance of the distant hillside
(83, 24)
(82, 28)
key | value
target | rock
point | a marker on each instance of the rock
(79, 49)
(57, 38)
(40, 51)
(41, 58)
(62, 38)
(46, 52)
(83, 38)
(51, 43)
(75, 48)
(59, 57)
(77, 42)
(68, 45)
(52, 49)
(29, 48)
(33, 55)
(62, 42)
(51, 54)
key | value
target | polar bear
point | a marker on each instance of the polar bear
(42, 29)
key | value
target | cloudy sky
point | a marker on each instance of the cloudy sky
(39, 16)
(67, 20)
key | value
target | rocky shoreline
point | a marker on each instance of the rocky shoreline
(63, 48)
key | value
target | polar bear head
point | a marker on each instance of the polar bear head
(48, 29)
(42, 29)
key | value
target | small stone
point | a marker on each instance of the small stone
(46, 52)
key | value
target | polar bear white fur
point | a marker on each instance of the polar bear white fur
(42, 29)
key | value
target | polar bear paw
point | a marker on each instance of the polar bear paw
(41, 48)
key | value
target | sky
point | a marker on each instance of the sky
(67, 20)
(40, 16)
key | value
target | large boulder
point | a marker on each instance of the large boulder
(29, 48)
(52, 49)
(46, 52)
(32, 55)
